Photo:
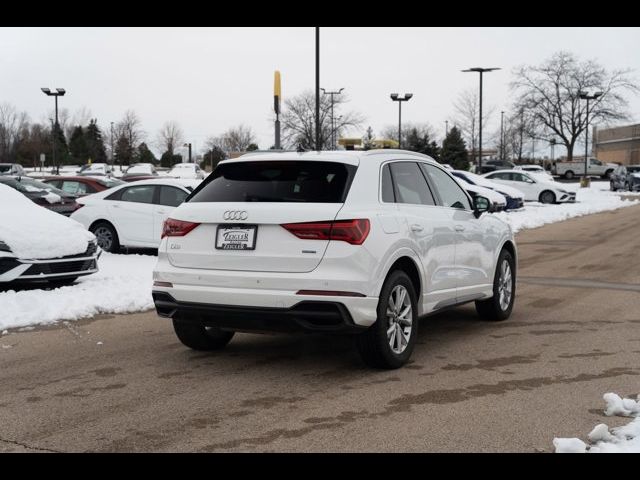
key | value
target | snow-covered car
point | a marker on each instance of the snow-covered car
(515, 198)
(186, 170)
(96, 169)
(43, 194)
(140, 169)
(131, 215)
(625, 177)
(11, 169)
(498, 201)
(534, 188)
(536, 170)
(37, 244)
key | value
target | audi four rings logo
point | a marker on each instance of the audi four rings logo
(235, 215)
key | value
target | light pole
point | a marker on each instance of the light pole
(188, 145)
(318, 146)
(480, 70)
(333, 130)
(396, 98)
(587, 97)
(502, 135)
(446, 128)
(112, 153)
(58, 93)
(552, 142)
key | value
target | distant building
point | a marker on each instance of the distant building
(618, 144)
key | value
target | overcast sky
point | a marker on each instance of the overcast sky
(208, 79)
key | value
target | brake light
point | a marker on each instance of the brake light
(354, 232)
(176, 228)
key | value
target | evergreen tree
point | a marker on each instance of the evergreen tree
(95, 143)
(368, 140)
(419, 141)
(78, 146)
(169, 159)
(252, 147)
(62, 151)
(124, 151)
(454, 150)
(144, 155)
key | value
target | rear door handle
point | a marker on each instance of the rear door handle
(459, 228)
(417, 228)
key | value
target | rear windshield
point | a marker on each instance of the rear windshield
(286, 181)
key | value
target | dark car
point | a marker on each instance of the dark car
(44, 195)
(625, 177)
(82, 186)
(493, 165)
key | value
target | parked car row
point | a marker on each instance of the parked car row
(42, 194)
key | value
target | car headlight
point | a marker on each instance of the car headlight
(4, 247)
(562, 191)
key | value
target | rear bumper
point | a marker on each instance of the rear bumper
(305, 316)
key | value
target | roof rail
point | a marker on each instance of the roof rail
(381, 151)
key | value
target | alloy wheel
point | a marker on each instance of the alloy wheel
(505, 285)
(400, 317)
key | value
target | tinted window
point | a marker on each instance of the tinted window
(387, 186)
(500, 175)
(451, 194)
(411, 187)
(284, 181)
(55, 183)
(518, 177)
(171, 196)
(141, 194)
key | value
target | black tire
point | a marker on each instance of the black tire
(628, 187)
(62, 283)
(547, 197)
(107, 236)
(568, 174)
(607, 174)
(199, 337)
(374, 344)
(612, 187)
(492, 309)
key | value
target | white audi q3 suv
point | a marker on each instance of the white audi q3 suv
(361, 242)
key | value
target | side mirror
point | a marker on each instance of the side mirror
(480, 205)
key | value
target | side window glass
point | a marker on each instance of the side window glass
(171, 196)
(387, 187)
(141, 194)
(451, 194)
(411, 186)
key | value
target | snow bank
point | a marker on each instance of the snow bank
(588, 200)
(32, 231)
(625, 439)
(123, 285)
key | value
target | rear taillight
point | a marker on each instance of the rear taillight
(351, 231)
(176, 228)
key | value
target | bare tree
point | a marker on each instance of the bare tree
(550, 92)
(467, 115)
(128, 136)
(12, 127)
(169, 137)
(390, 132)
(80, 117)
(298, 120)
(237, 139)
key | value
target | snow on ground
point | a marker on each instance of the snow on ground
(123, 285)
(596, 199)
(625, 439)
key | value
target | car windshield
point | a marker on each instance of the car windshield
(13, 183)
(5, 168)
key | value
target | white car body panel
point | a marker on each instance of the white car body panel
(454, 252)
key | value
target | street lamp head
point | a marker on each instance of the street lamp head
(339, 91)
(61, 91)
(394, 96)
(598, 94)
(480, 69)
(323, 90)
(46, 90)
(407, 96)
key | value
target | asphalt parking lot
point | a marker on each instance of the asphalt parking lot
(125, 383)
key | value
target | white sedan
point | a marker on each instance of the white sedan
(131, 215)
(534, 187)
(536, 170)
(186, 170)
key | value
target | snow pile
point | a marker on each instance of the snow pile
(588, 200)
(625, 439)
(32, 231)
(123, 285)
